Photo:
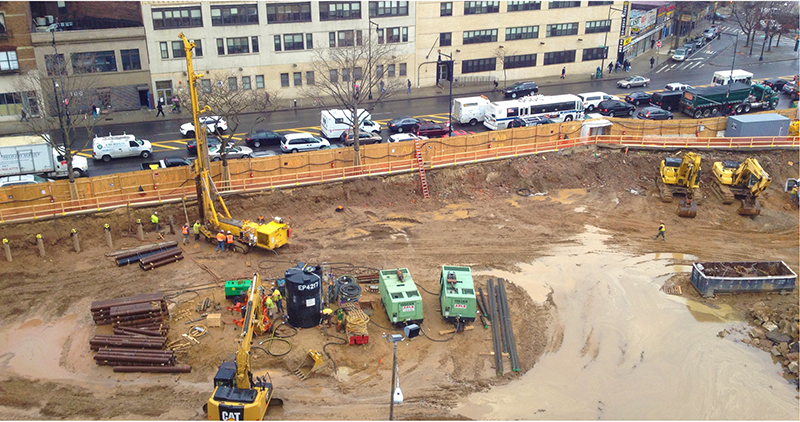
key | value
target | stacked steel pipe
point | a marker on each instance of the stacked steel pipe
(502, 331)
(145, 311)
(161, 258)
(126, 257)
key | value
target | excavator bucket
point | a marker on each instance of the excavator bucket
(750, 209)
(312, 363)
(687, 208)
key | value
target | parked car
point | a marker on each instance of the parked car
(680, 54)
(529, 121)
(521, 89)
(791, 89)
(677, 86)
(592, 99)
(191, 145)
(458, 133)
(363, 138)
(616, 108)
(332, 146)
(430, 129)
(167, 163)
(689, 46)
(400, 137)
(233, 152)
(699, 41)
(402, 124)
(296, 142)
(719, 16)
(263, 137)
(264, 153)
(776, 84)
(637, 97)
(213, 124)
(711, 32)
(22, 179)
(634, 80)
(654, 113)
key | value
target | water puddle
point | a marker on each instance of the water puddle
(564, 196)
(452, 212)
(631, 351)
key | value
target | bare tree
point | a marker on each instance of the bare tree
(747, 16)
(343, 74)
(691, 8)
(787, 19)
(501, 53)
(64, 100)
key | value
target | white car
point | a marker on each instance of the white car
(400, 137)
(24, 179)
(592, 99)
(296, 142)
(680, 54)
(233, 152)
(213, 124)
(677, 86)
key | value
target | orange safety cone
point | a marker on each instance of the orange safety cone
(380, 360)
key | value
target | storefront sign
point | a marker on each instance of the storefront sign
(624, 25)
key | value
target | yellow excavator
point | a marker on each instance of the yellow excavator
(744, 179)
(238, 394)
(680, 176)
(247, 234)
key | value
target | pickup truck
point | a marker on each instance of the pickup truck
(167, 162)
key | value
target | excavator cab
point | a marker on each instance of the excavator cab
(746, 179)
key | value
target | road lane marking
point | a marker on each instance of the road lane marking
(163, 146)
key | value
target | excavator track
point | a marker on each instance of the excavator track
(723, 192)
(664, 191)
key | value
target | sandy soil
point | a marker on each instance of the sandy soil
(475, 218)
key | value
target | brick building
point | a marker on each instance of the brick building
(16, 57)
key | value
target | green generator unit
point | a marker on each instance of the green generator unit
(236, 288)
(400, 297)
(457, 294)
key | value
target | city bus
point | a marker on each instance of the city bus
(559, 108)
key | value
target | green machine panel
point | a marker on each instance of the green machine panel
(457, 294)
(234, 288)
(400, 296)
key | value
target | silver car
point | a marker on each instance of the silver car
(233, 152)
(635, 80)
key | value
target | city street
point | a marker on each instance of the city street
(697, 70)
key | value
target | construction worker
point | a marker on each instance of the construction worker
(340, 320)
(270, 307)
(260, 220)
(793, 194)
(278, 299)
(220, 241)
(326, 316)
(196, 230)
(185, 233)
(661, 229)
(154, 220)
(229, 239)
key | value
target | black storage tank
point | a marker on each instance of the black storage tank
(304, 295)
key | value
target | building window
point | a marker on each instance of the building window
(11, 103)
(393, 35)
(379, 71)
(560, 29)
(220, 47)
(238, 45)
(346, 38)
(525, 60)
(333, 75)
(402, 69)
(206, 85)
(478, 65)
(246, 82)
(445, 39)
(518, 6)
(600, 3)
(130, 59)
(277, 43)
(293, 42)
(298, 78)
(563, 4)
(177, 49)
(339, 10)
(378, 9)
(358, 73)
(595, 53)
(254, 44)
(390, 71)
(289, 12)
(446, 8)
(98, 61)
(331, 39)
(476, 37)
(522, 33)
(233, 84)
(598, 26)
(310, 77)
(557, 57)
(478, 7)
(198, 48)
(240, 14)
(164, 50)
(8, 60)
(309, 42)
(345, 75)
(56, 66)
(284, 79)
(259, 81)
(177, 17)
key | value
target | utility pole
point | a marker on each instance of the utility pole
(449, 64)
(59, 66)
(369, 60)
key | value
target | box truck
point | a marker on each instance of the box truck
(32, 154)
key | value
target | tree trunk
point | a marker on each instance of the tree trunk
(226, 174)
(356, 141)
(73, 189)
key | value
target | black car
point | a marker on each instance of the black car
(776, 84)
(654, 113)
(263, 137)
(689, 46)
(191, 145)
(528, 121)
(402, 124)
(521, 89)
(637, 97)
(615, 108)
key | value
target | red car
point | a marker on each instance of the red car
(431, 129)
(458, 133)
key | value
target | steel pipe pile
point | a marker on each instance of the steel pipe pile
(145, 311)
(177, 369)
(130, 342)
(129, 257)
(508, 335)
(162, 258)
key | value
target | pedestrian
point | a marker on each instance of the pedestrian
(160, 110)
(270, 307)
(495, 86)
(94, 111)
(24, 115)
(220, 241)
(661, 229)
(326, 316)
(652, 43)
(617, 65)
(598, 73)
(268, 100)
(408, 83)
(563, 72)
(196, 230)
(383, 89)
(610, 67)
(652, 62)
(278, 299)
(185, 233)
(627, 65)
(229, 241)
(154, 220)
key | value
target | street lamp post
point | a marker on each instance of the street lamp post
(369, 41)
(450, 71)
(605, 40)
(410, 331)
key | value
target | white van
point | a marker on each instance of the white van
(470, 109)
(336, 123)
(592, 99)
(116, 146)
(725, 77)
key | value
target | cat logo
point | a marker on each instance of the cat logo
(231, 416)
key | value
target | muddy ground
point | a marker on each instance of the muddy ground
(475, 218)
